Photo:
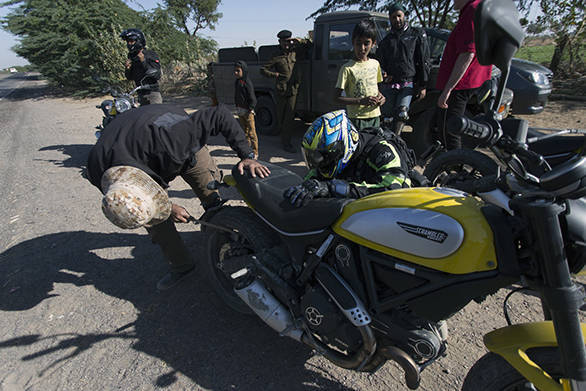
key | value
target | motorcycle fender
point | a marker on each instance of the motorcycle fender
(512, 342)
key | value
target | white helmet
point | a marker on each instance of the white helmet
(132, 199)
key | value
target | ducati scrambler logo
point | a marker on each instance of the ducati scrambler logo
(313, 316)
(426, 233)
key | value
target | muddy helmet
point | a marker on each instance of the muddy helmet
(133, 35)
(329, 143)
(133, 199)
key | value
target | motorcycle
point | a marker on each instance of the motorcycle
(370, 280)
(456, 167)
(122, 102)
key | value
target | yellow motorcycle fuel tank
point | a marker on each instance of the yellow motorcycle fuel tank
(439, 228)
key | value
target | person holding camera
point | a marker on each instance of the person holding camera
(142, 66)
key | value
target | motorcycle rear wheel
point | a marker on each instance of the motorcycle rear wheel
(253, 235)
(458, 166)
(493, 373)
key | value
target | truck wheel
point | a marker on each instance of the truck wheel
(266, 116)
(421, 138)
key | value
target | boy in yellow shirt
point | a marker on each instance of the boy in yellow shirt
(359, 79)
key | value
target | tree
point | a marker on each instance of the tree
(200, 13)
(427, 13)
(565, 19)
(76, 45)
(72, 42)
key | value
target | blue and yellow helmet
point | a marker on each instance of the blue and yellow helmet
(329, 143)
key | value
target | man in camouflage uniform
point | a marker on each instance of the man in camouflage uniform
(282, 68)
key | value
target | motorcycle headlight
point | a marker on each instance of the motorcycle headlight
(123, 105)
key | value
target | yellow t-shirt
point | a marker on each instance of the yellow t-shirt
(359, 79)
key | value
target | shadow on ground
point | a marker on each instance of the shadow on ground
(187, 328)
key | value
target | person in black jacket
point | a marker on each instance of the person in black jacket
(404, 58)
(142, 66)
(245, 100)
(164, 142)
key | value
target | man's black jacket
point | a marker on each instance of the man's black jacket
(138, 69)
(162, 140)
(404, 55)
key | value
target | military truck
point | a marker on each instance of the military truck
(331, 48)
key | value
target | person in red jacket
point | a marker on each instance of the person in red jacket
(460, 74)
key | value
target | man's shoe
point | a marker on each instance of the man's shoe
(289, 148)
(171, 279)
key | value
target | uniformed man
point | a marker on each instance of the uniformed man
(142, 66)
(288, 77)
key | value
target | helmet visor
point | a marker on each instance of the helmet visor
(325, 161)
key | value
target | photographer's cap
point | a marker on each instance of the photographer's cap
(284, 34)
(132, 198)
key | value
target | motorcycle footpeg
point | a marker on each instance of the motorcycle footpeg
(343, 295)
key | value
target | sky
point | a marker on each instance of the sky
(249, 21)
(243, 22)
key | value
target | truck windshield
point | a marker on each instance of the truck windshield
(383, 26)
(340, 38)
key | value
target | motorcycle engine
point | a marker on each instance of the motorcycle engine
(326, 321)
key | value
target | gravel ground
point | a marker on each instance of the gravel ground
(78, 305)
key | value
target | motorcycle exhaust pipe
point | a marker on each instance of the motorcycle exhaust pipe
(269, 309)
(410, 367)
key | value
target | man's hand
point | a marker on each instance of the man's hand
(254, 167)
(179, 214)
(442, 101)
(422, 94)
(128, 63)
(301, 194)
(140, 56)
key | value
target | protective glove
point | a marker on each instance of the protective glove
(301, 194)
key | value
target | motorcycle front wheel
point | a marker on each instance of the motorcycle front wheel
(227, 252)
(458, 167)
(493, 373)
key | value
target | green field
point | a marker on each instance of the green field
(538, 54)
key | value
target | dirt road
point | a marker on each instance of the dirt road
(78, 304)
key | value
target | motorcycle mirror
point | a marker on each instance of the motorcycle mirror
(497, 36)
(498, 33)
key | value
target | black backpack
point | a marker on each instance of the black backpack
(407, 155)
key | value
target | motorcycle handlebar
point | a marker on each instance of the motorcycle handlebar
(478, 130)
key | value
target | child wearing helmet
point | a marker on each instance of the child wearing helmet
(346, 163)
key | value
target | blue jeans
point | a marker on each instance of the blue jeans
(395, 98)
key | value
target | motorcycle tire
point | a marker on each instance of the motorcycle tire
(455, 167)
(494, 373)
(253, 235)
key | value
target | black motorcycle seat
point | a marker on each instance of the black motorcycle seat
(265, 196)
(558, 145)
